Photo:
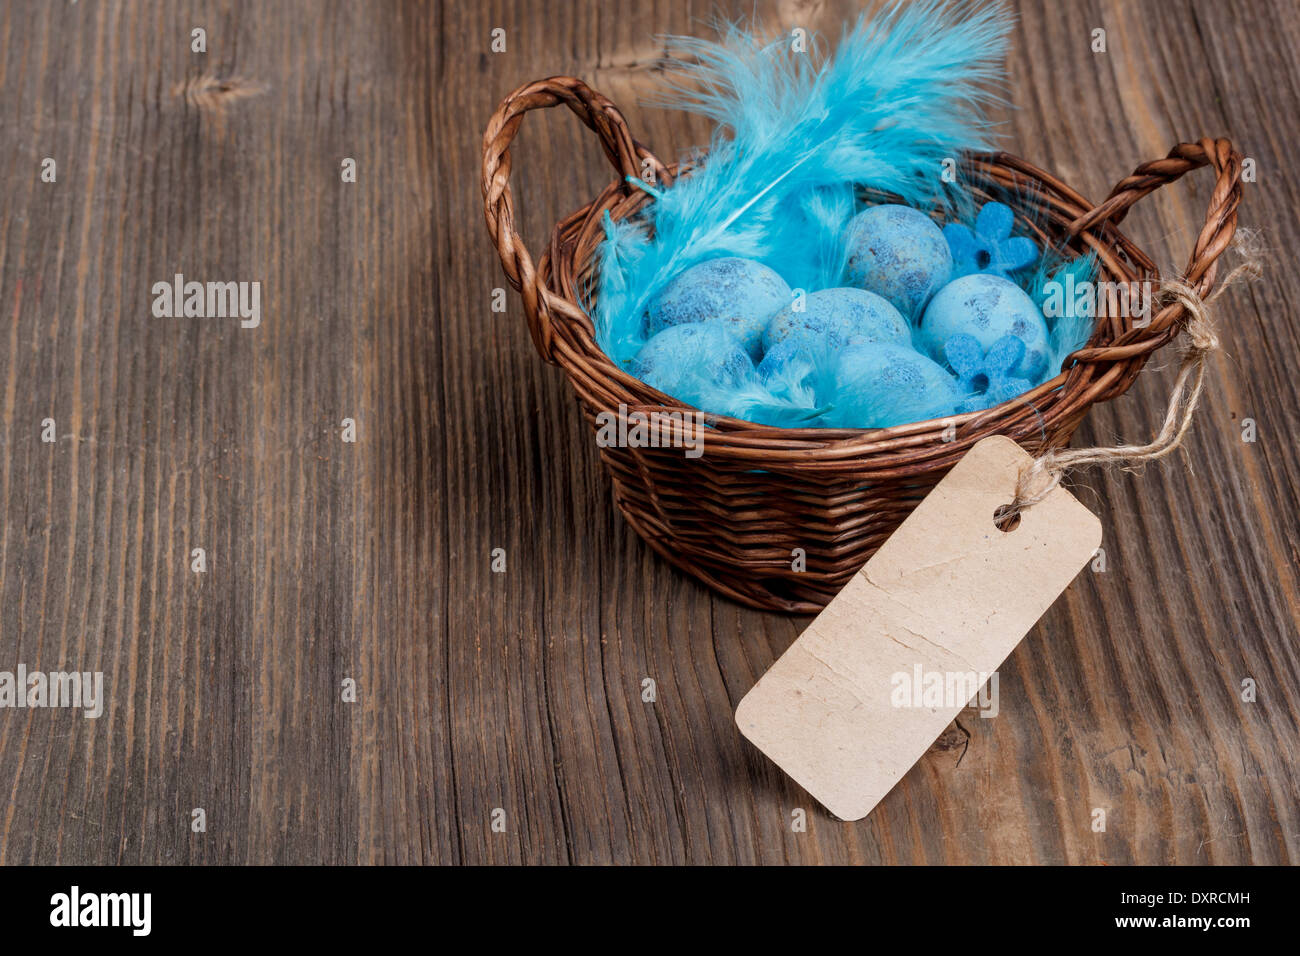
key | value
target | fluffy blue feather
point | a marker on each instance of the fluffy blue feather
(810, 228)
(618, 260)
(1070, 332)
(904, 90)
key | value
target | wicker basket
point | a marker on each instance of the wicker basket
(734, 517)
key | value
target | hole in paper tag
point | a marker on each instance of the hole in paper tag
(1004, 519)
(949, 593)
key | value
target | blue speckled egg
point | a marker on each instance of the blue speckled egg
(838, 317)
(986, 307)
(880, 385)
(899, 253)
(683, 358)
(738, 295)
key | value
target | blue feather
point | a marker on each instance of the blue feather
(904, 90)
(1069, 332)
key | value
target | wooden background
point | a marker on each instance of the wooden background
(371, 560)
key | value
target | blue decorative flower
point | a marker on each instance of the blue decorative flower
(985, 376)
(990, 248)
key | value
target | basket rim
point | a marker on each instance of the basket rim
(569, 263)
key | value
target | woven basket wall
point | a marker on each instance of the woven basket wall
(739, 516)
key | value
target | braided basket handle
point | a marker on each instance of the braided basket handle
(624, 153)
(1220, 218)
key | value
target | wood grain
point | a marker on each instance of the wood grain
(522, 690)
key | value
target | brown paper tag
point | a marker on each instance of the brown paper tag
(882, 671)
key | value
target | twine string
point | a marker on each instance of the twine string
(1040, 478)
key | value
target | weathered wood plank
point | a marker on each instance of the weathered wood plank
(372, 561)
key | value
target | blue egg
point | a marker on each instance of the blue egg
(881, 384)
(737, 295)
(986, 307)
(838, 317)
(683, 360)
(899, 253)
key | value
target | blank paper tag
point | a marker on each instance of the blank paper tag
(949, 594)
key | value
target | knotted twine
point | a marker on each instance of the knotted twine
(1039, 479)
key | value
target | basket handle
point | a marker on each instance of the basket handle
(624, 153)
(1220, 218)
